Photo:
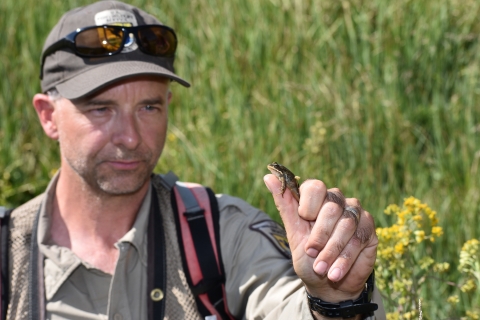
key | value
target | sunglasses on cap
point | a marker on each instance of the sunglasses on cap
(102, 41)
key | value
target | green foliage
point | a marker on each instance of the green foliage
(406, 273)
(379, 98)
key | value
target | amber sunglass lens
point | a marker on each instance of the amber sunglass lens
(157, 41)
(99, 41)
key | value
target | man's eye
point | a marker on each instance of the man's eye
(96, 110)
(150, 108)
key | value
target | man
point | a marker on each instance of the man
(106, 96)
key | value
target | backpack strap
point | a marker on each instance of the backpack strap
(197, 220)
(157, 261)
(4, 279)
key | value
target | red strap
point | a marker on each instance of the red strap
(202, 199)
(191, 257)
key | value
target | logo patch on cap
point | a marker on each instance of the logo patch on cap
(115, 17)
(119, 18)
(275, 233)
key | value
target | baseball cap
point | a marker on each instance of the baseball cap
(74, 76)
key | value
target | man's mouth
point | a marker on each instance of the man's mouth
(124, 164)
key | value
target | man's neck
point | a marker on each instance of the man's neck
(90, 223)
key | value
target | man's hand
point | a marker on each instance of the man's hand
(333, 249)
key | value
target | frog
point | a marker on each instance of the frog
(287, 178)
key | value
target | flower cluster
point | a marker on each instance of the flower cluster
(416, 223)
(402, 259)
(318, 135)
(470, 258)
(405, 263)
(469, 266)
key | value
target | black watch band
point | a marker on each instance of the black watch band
(348, 308)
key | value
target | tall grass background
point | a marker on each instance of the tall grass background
(379, 98)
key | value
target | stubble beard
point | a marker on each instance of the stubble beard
(106, 181)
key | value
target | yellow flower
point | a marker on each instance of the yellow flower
(441, 267)
(418, 220)
(398, 285)
(399, 248)
(419, 235)
(408, 283)
(410, 315)
(473, 315)
(469, 286)
(437, 231)
(472, 246)
(384, 234)
(469, 256)
(171, 137)
(426, 262)
(453, 299)
(410, 201)
(393, 208)
(386, 253)
(393, 316)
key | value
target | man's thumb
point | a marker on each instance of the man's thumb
(285, 203)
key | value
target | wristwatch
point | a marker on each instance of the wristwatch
(348, 308)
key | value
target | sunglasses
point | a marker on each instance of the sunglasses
(102, 41)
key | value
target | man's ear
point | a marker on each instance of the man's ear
(45, 108)
(169, 98)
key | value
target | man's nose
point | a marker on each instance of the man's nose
(127, 131)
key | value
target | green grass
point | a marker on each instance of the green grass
(380, 98)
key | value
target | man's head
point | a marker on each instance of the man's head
(111, 84)
(110, 141)
(89, 49)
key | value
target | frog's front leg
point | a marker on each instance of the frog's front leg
(283, 180)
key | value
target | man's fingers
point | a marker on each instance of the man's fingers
(326, 217)
(353, 213)
(313, 193)
(364, 263)
(323, 228)
(333, 230)
(340, 237)
(336, 196)
(345, 246)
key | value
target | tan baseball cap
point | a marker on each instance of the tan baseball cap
(75, 77)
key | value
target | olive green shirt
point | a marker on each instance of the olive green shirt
(260, 281)
(76, 290)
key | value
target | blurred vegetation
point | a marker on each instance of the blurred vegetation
(380, 98)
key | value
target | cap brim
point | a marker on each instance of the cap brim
(103, 75)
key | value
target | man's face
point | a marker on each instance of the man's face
(113, 139)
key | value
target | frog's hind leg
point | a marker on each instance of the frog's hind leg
(282, 190)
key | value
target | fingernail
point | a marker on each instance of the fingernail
(335, 274)
(321, 268)
(311, 252)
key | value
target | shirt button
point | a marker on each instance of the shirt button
(117, 316)
(156, 294)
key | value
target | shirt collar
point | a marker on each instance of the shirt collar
(137, 235)
(62, 260)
